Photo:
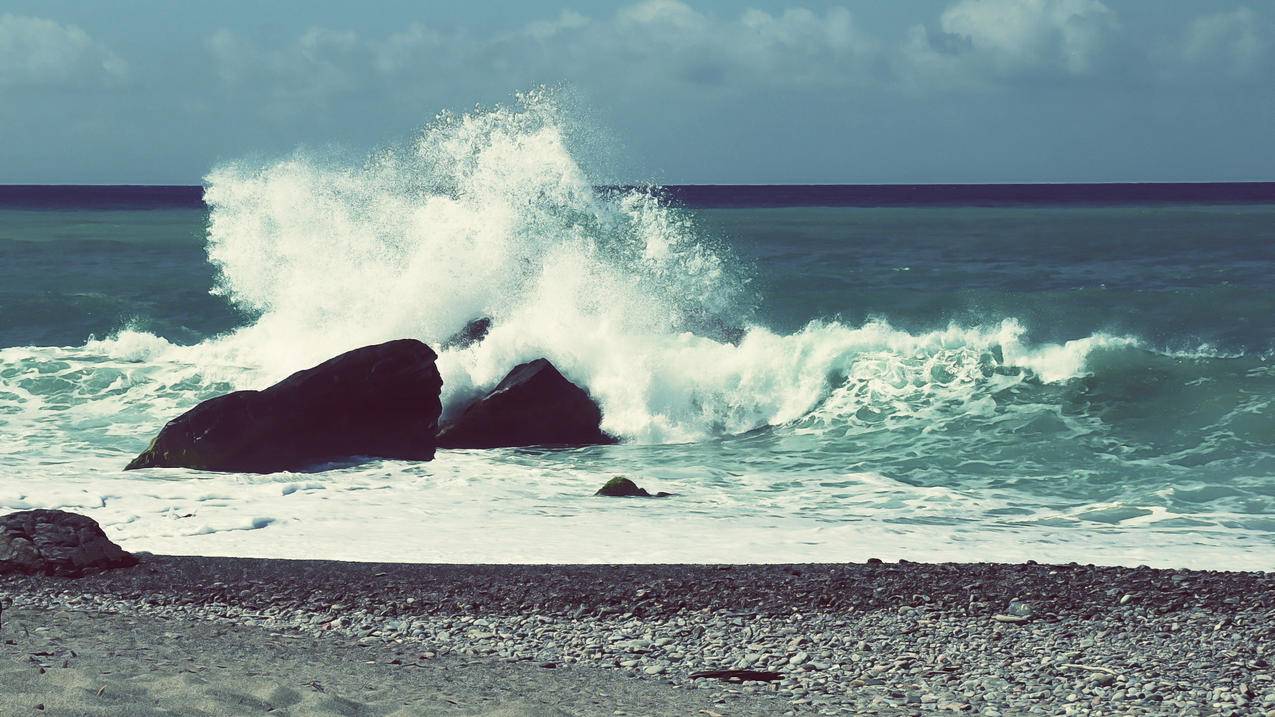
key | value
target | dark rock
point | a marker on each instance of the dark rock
(738, 675)
(534, 405)
(377, 401)
(621, 487)
(54, 542)
(474, 332)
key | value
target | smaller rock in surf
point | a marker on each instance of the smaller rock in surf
(534, 405)
(621, 487)
(55, 542)
(473, 333)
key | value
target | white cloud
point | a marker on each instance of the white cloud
(545, 30)
(793, 48)
(38, 52)
(985, 41)
(651, 43)
(317, 65)
(1234, 42)
(658, 48)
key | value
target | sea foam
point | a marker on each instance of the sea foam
(836, 441)
(490, 214)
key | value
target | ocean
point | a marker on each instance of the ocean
(978, 372)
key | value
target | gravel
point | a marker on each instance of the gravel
(896, 638)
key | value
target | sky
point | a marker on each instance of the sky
(674, 91)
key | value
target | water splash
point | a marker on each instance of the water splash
(491, 213)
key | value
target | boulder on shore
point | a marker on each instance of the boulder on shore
(54, 542)
(377, 401)
(621, 487)
(534, 405)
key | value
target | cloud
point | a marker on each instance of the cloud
(794, 48)
(316, 65)
(677, 49)
(545, 30)
(1233, 42)
(35, 52)
(642, 45)
(980, 42)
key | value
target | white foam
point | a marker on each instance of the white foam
(490, 214)
(495, 507)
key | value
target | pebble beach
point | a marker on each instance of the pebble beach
(874, 638)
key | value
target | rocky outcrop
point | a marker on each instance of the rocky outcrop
(54, 542)
(621, 487)
(534, 405)
(377, 401)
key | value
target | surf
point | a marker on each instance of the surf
(493, 214)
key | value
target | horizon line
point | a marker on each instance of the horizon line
(758, 184)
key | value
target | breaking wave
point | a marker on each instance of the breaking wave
(490, 214)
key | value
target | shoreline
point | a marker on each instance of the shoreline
(876, 638)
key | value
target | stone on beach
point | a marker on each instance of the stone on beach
(378, 401)
(55, 542)
(621, 487)
(533, 405)
(738, 675)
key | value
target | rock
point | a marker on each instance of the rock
(473, 333)
(533, 405)
(621, 487)
(55, 542)
(1018, 608)
(739, 675)
(377, 401)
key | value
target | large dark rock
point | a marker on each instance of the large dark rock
(378, 401)
(534, 405)
(54, 542)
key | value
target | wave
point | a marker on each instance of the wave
(681, 387)
(490, 214)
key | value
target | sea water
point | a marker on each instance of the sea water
(819, 374)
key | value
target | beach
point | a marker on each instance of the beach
(76, 663)
(195, 635)
(655, 357)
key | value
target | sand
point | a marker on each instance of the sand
(71, 662)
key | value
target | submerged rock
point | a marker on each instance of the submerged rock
(474, 332)
(532, 406)
(621, 487)
(55, 542)
(377, 401)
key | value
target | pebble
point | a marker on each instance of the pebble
(911, 656)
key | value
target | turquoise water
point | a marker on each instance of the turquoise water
(1090, 381)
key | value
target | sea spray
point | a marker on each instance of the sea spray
(988, 410)
(486, 214)
(490, 214)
